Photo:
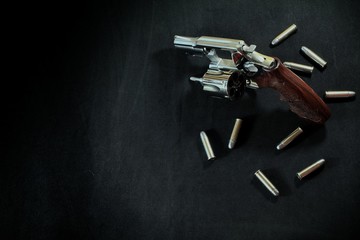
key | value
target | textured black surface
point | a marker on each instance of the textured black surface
(102, 133)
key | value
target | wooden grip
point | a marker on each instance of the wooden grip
(301, 98)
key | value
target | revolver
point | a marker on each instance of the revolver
(247, 68)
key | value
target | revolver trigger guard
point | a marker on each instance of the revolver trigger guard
(237, 58)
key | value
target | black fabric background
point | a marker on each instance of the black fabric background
(102, 126)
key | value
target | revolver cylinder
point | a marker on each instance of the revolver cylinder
(228, 84)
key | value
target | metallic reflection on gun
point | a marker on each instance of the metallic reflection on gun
(248, 68)
(226, 77)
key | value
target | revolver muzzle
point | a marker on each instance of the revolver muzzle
(188, 43)
(229, 84)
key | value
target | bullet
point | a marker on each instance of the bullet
(282, 36)
(289, 138)
(316, 58)
(235, 133)
(303, 173)
(339, 94)
(299, 67)
(266, 182)
(207, 146)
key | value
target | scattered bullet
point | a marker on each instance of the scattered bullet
(266, 182)
(303, 173)
(207, 146)
(282, 36)
(339, 94)
(299, 67)
(235, 133)
(313, 56)
(289, 138)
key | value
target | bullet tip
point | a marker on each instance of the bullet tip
(231, 144)
(276, 192)
(275, 41)
(321, 161)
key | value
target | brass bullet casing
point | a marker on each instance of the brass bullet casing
(264, 180)
(207, 146)
(235, 133)
(289, 138)
(339, 94)
(313, 56)
(299, 67)
(282, 36)
(303, 173)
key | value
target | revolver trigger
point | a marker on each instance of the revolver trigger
(236, 57)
